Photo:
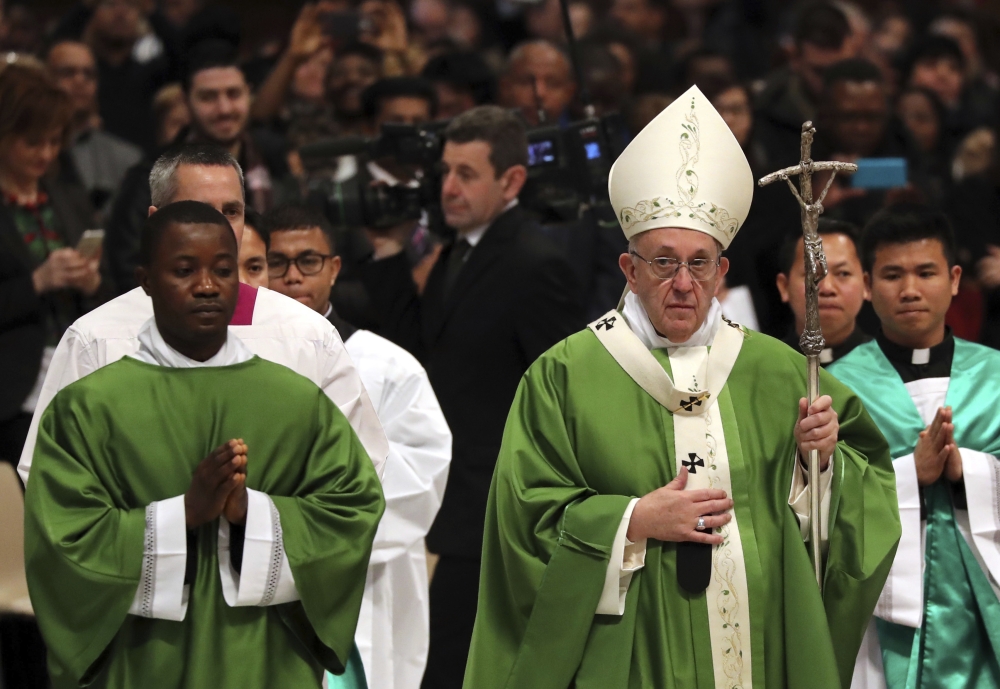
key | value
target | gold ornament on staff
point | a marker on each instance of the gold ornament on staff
(811, 342)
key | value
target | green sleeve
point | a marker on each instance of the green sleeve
(83, 554)
(328, 526)
(864, 526)
(546, 548)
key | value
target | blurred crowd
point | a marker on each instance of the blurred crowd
(92, 94)
(914, 80)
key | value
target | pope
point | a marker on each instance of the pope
(647, 516)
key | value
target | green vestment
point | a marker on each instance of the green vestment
(132, 433)
(958, 644)
(581, 441)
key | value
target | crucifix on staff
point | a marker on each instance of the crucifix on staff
(811, 342)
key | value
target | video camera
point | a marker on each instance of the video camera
(568, 171)
(361, 201)
(568, 167)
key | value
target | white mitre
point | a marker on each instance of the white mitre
(685, 169)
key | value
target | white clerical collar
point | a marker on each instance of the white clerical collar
(474, 235)
(153, 349)
(640, 324)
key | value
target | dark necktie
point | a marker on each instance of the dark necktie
(456, 259)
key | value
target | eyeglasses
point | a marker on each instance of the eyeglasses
(665, 268)
(308, 263)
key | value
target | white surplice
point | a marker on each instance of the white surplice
(902, 599)
(283, 331)
(393, 629)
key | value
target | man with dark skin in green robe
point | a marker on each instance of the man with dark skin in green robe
(197, 516)
(646, 520)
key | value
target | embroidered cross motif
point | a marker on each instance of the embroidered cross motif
(607, 323)
(693, 461)
(693, 402)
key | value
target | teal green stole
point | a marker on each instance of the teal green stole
(958, 646)
(354, 673)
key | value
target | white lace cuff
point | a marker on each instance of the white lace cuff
(265, 577)
(162, 593)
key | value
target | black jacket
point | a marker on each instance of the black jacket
(22, 311)
(513, 299)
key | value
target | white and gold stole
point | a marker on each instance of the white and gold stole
(699, 445)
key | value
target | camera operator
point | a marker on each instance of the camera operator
(498, 297)
(397, 100)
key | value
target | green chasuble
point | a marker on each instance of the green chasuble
(958, 644)
(581, 441)
(132, 433)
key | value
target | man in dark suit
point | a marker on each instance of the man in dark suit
(498, 297)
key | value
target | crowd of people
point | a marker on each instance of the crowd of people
(115, 111)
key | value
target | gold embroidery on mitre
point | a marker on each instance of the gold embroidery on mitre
(711, 214)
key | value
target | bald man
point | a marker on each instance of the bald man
(538, 67)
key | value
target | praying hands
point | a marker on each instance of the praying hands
(218, 486)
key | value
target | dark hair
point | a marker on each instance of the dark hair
(855, 70)
(397, 87)
(827, 226)
(208, 54)
(464, 71)
(714, 86)
(932, 49)
(903, 223)
(822, 24)
(295, 216)
(255, 222)
(179, 213)
(936, 105)
(365, 50)
(30, 103)
(501, 129)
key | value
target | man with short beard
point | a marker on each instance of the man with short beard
(218, 98)
(356, 67)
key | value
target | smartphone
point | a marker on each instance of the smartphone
(90, 243)
(342, 27)
(879, 173)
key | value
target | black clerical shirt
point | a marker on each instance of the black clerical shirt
(918, 364)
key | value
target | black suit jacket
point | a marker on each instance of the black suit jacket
(514, 298)
(22, 324)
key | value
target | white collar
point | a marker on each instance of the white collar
(474, 235)
(638, 321)
(153, 349)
